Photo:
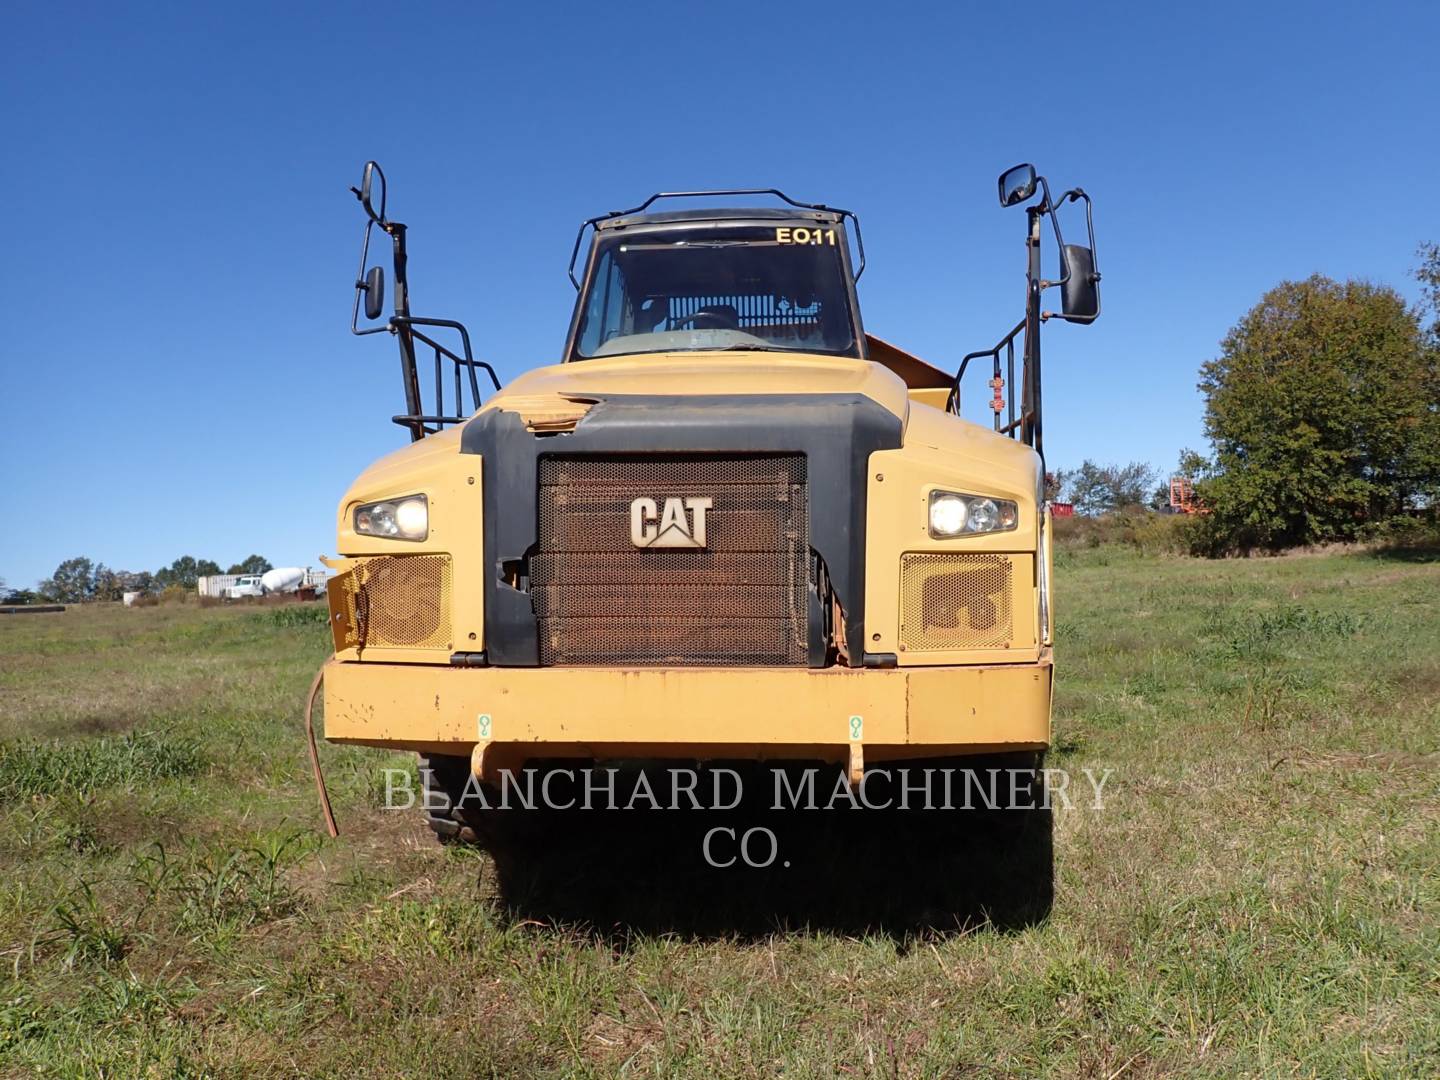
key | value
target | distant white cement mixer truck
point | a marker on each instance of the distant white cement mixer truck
(282, 579)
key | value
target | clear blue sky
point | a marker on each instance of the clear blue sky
(175, 371)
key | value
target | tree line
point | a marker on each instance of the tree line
(79, 580)
(1322, 411)
(1094, 488)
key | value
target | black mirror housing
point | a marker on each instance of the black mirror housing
(374, 289)
(1017, 184)
(1080, 300)
(369, 190)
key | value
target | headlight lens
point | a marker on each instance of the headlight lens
(406, 518)
(954, 514)
(947, 514)
(984, 515)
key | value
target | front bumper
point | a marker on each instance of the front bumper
(514, 714)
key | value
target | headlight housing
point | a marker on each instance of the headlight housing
(955, 514)
(405, 518)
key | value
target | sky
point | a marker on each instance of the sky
(176, 372)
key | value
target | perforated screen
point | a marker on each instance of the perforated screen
(400, 601)
(668, 559)
(956, 601)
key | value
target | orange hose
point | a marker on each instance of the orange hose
(315, 754)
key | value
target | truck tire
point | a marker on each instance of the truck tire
(443, 779)
(1018, 889)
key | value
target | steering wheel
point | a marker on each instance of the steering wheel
(717, 320)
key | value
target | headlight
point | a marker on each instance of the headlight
(406, 518)
(947, 514)
(953, 514)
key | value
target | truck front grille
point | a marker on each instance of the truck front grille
(742, 598)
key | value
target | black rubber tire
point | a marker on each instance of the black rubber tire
(443, 779)
(1019, 878)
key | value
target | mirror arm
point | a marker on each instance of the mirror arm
(1075, 195)
(360, 289)
(1047, 207)
(405, 327)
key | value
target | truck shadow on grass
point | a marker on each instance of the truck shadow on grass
(854, 871)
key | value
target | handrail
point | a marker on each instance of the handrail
(417, 422)
(952, 402)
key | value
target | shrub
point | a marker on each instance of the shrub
(1409, 535)
(1142, 530)
(297, 615)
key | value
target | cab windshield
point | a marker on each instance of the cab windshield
(768, 287)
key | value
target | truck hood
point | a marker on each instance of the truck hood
(726, 374)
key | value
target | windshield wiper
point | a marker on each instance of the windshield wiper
(693, 245)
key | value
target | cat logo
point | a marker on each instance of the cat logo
(671, 526)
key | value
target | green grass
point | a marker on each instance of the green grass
(1259, 895)
(127, 761)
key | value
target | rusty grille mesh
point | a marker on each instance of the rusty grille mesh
(956, 602)
(742, 599)
(399, 601)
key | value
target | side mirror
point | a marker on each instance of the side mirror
(369, 190)
(374, 289)
(1081, 292)
(1017, 184)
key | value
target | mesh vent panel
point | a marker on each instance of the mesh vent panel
(956, 602)
(742, 598)
(399, 601)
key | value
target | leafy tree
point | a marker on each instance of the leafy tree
(1098, 489)
(106, 583)
(1055, 482)
(72, 583)
(185, 571)
(1322, 408)
(1193, 465)
(1428, 274)
(252, 564)
(22, 596)
(114, 584)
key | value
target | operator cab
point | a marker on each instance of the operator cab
(752, 280)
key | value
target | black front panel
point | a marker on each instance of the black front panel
(667, 559)
(832, 434)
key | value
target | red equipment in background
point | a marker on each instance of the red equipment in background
(1182, 496)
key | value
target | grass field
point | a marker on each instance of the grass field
(1258, 896)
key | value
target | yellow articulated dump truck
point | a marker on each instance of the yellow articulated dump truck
(729, 525)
